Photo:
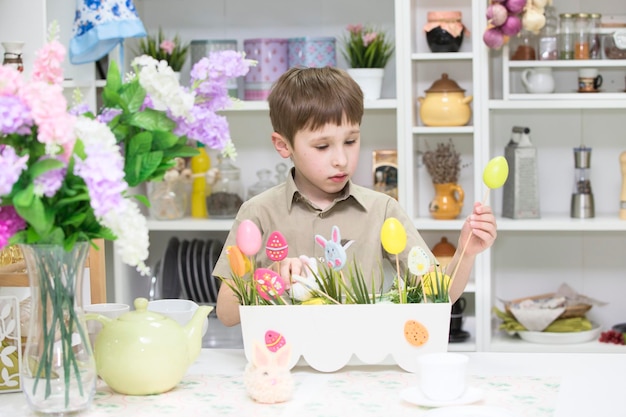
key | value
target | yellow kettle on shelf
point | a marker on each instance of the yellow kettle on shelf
(143, 352)
(445, 104)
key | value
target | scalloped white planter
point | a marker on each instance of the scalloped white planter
(330, 337)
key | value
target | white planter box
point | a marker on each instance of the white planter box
(328, 336)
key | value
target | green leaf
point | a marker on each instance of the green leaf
(149, 164)
(139, 144)
(33, 212)
(44, 165)
(133, 96)
(151, 119)
(164, 140)
(114, 77)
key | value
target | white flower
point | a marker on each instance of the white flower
(161, 84)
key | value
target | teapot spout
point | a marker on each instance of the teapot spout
(193, 330)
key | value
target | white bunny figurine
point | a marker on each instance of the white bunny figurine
(305, 285)
(267, 378)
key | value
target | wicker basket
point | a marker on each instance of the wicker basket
(576, 310)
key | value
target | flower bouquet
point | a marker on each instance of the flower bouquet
(416, 310)
(65, 179)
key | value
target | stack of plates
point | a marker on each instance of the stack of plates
(186, 270)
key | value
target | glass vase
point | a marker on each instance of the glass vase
(58, 368)
(168, 199)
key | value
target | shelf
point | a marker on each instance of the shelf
(560, 101)
(242, 105)
(427, 223)
(443, 56)
(573, 63)
(442, 130)
(504, 343)
(561, 223)
(469, 325)
(190, 225)
(83, 83)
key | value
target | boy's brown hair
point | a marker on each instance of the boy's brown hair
(309, 98)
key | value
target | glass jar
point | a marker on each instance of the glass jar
(548, 36)
(524, 46)
(566, 36)
(595, 44)
(168, 199)
(263, 184)
(581, 36)
(226, 190)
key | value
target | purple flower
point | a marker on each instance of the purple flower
(207, 127)
(10, 223)
(11, 167)
(103, 172)
(49, 182)
(15, 116)
(108, 114)
(82, 108)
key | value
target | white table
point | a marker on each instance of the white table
(583, 384)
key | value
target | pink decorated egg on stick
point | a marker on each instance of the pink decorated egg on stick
(276, 247)
(269, 284)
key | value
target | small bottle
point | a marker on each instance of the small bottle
(524, 46)
(595, 39)
(548, 36)
(200, 164)
(566, 36)
(581, 37)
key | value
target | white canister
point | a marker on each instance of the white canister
(538, 80)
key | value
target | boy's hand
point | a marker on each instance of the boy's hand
(482, 225)
(289, 267)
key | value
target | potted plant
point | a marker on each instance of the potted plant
(444, 165)
(173, 50)
(367, 51)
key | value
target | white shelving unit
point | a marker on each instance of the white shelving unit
(535, 256)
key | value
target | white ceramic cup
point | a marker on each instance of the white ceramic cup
(177, 309)
(443, 376)
(110, 310)
(589, 79)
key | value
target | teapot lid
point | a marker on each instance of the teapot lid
(141, 312)
(444, 85)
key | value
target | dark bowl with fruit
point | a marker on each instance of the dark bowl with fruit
(620, 327)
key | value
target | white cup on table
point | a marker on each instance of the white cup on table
(110, 310)
(443, 375)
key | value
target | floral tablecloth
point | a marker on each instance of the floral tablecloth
(351, 393)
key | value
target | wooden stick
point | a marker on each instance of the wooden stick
(456, 268)
(398, 272)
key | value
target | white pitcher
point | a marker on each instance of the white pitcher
(538, 80)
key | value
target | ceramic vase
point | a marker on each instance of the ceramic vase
(448, 201)
(370, 80)
(58, 372)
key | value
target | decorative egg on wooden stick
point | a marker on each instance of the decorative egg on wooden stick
(276, 247)
(393, 238)
(494, 176)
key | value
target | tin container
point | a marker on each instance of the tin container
(272, 59)
(201, 48)
(312, 52)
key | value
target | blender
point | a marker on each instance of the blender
(582, 197)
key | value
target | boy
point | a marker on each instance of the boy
(316, 115)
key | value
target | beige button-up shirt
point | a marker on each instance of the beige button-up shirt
(359, 214)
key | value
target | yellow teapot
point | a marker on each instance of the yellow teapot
(143, 353)
(445, 104)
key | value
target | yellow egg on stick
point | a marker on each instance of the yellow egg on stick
(494, 176)
(393, 238)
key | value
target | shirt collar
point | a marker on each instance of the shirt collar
(293, 194)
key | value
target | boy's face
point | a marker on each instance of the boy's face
(324, 159)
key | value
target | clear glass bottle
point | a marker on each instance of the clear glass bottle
(566, 36)
(595, 38)
(581, 36)
(263, 184)
(547, 43)
(226, 191)
(524, 46)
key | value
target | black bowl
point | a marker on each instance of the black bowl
(620, 327)
(440, 40)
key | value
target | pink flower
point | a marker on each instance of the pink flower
(47, 66)
(10, 80)
(355, 29)
(368, 38)
(168, 46)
